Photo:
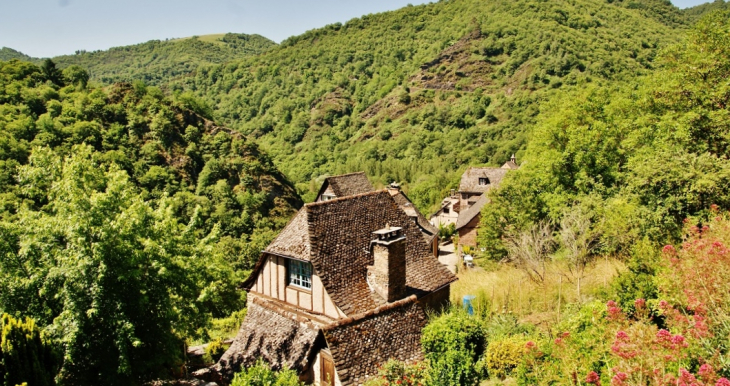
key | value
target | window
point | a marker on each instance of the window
(483, 181)
(300, 274)
(327, 197)
(446, 210)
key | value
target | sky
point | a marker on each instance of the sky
(46, 28)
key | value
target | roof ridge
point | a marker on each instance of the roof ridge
(364, 315)
(345, 198)
(346, 174)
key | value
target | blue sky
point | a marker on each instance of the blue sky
(43, 28)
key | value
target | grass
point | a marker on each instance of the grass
(506, 289)
(212, 38)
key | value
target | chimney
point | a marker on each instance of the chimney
(513, 158)
(387, 275)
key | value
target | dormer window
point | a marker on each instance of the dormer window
(483, 181)
(327, 197)
(299, 274)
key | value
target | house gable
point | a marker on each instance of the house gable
(343, 186)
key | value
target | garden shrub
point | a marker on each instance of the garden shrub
(261, 375)
(26, 356)
(453, 343)
(215, 349)
(504, 355)
(399, 373)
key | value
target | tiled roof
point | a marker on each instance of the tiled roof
(339, 234)
(511, 165)
(280, 338)
(429, 231)
(361, 344)
(293, 241)
(470, 179)
(473, 211)
(347, 184)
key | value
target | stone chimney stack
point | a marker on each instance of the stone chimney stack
(387, 275)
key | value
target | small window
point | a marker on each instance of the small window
(483, 181)
(446, 210)
(300, 274)
(327, 197)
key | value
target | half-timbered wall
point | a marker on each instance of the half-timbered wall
(272, 282)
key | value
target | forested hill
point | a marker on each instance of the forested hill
(156, 62)
(9, 53)
(696, 12)
(417, 94)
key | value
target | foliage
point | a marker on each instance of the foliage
(394, 373)
(416, 95)
(638, 159)
(127, 221)
(453, 344)
(261, 375)
(157, 62)
(446, 231)
(26, 354)
(504, 355)
(215, 349)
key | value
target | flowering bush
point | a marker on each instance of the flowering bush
(504, 355)
(398, 373)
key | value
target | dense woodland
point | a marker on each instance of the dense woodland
(139, 184)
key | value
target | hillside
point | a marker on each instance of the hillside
(417, 94)
(156, 62)
(696, 12)
(9, 53)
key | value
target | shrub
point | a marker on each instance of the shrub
(504, 355)
(215, 349)
(453, 343)
(26, 356)
(261, 375)
(399, 373)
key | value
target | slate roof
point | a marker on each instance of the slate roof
(473, 211)
(429, 231)
(470, 179)
(338, 238)
(511, 165)
(362, 343)
(268, 332)
(347, 185)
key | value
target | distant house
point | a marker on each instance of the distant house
(475, 183)
(448, 212)
(344, 288)
(343, 186)
(430, 232)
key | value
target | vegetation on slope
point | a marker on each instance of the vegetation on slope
(418, 94)
(698, 11)
(636, 160)
(127, 221)
(157, 62)
(9, 53)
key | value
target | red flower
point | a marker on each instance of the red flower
(639, 303)
(722, 382)
(593, 378)
(669, 250)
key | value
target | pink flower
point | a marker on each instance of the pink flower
(714, 207)
(722, 382)
(620, 378)
(678, 340)
(686, 377)
(706, 372)
(558, 341)
(610, 304)
(663, 335)
(639, 303)
(565, 335)
(530, 345)
(668, 249)
(622, 336)
(663, 304)
(593, 378)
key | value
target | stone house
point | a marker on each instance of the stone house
(473, 188)
(448, 212)
(344, 288)
(343, 186)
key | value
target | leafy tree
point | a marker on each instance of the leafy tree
(26, 354)
(261, 375)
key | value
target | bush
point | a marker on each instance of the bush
(262, 375)
(504, 355)
(215, 349)
(399, 373)
(26, 356)
(453, 343)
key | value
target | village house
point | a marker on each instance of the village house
(471, 198)
(448, 212)
(358, 183)
(344, 288)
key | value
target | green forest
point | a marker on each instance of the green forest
(139, 184)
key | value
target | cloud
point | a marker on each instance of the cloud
(64, 3)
